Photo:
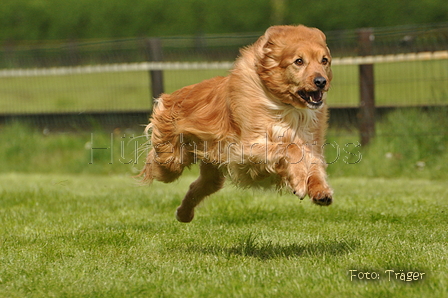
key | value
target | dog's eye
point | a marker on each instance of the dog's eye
(324, 61)
(299, 62)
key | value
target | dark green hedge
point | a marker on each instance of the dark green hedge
(78, 19)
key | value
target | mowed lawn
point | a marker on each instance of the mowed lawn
(107, 236)
(396, 84)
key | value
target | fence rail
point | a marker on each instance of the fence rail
(121, 67)
(223, 65)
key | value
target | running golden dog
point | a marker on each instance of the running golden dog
(263, 124)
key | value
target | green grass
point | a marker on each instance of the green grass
(28, 150)
(75, 224)
(105, 236)
(76, 93)
(122, 91)
(402, 84)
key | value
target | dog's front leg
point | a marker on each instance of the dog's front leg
(318, 189)
(304, 171)
(294, 170)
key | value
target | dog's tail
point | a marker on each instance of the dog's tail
(146, 176)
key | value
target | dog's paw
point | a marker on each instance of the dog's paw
(322, 197)
(300, 190)
(184, 216)
(300, 194)
(323, 200)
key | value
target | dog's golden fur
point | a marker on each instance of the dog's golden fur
(262, 124)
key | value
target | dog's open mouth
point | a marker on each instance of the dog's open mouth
(313, 99)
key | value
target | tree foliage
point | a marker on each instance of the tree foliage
(79, 19)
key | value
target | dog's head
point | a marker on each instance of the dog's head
(294, 63)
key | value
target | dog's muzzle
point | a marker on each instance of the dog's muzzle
(313, 99)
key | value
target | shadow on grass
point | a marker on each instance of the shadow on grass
(249, 246)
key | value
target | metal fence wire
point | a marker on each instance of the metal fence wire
(223, 47)
(116, 77)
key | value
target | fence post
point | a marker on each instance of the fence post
(73, 56)
(367, 88)
(154, 50)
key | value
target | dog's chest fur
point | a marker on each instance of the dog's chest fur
(252, 159)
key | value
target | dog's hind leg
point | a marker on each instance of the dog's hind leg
(210, 181)
(161, 167)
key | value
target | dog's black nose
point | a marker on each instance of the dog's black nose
(320, 82)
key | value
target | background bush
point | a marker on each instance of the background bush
(411, 143)
(404, 147)
(78, 19)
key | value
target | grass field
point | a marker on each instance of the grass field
(402, 84)
(75, 224)
(105, 236)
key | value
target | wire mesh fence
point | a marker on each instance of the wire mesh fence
(224, 47)
(113, 76)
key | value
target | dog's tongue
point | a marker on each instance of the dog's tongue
(316, 96)
(313, 98)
